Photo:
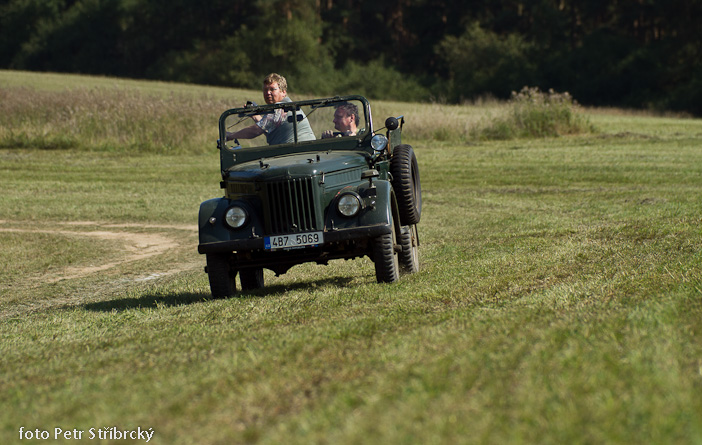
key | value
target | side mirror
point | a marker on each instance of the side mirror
(392, 123)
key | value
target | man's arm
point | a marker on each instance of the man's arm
(249, 132)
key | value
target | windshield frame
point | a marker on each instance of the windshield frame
(232, 155)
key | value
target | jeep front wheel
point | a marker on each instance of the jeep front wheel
(222, 278)
(405, 182)
(385, 257)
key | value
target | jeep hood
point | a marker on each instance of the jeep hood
(297, 165)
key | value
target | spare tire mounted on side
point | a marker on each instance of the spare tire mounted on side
(405, 182)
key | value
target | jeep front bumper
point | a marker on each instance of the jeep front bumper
(330, 237)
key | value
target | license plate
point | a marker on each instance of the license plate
(293, 241)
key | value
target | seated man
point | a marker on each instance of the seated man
(277, 126)
(345, 121)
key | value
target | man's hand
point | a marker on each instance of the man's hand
(333, 134)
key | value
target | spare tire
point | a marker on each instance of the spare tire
(405, 181)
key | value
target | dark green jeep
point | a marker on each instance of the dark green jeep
(314, 196)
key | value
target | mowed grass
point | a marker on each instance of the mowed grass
(559, 299)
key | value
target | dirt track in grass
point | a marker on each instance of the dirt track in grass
(137, 241)
(141, 253)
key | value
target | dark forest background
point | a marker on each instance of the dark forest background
(627, 53)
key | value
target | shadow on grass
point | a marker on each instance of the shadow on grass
(160, 299)
(148, 300)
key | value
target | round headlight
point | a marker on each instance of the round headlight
(379, 142)
(235, 217)
(349, 205)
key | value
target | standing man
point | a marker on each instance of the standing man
(278, 127)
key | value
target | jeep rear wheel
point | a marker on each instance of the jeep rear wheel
(251, 279)
(405, 182)
(385, 257)
(409, 257)
(222, 278)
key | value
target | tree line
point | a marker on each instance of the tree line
(632, 53)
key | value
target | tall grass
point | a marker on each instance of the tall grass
(108, 119)
(167, 118)
(529, 114)
(535, 114)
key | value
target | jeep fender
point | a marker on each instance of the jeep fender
(209, 232)
(212, 228)
(385, 205)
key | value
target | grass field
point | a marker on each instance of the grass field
(559, 298)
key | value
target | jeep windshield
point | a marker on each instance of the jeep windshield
(295, 127)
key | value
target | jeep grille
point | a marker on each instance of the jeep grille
(290, 206)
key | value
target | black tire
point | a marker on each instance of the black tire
(387, 269)
(251, 279)
(405, 182)
(409, 257)
(222, 278)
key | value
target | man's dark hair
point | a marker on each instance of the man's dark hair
(350, 110)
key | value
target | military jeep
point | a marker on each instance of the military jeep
(310, 199)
